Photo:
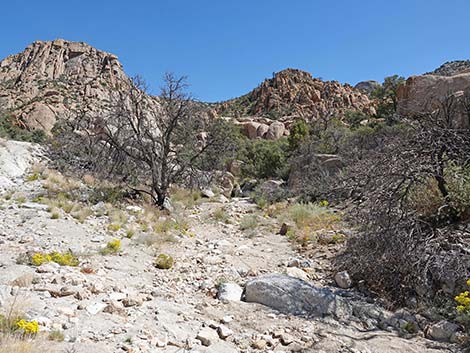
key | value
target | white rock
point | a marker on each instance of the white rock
(297, 273)
(135, 209)
(95, 308)
(291, 295)
(35, 206)
(343, 280)
(67, 311)
(224, 331)
(207, 336)
(117, 296)
(230, 291)
(207, 193)
(227, 319)
(48, 267)
(222, 199)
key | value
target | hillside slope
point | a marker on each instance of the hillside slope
(53, 79)
(291, 93)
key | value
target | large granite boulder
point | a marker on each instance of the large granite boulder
(291, 295)
(422, 94)
(276, 131)
(367, 86)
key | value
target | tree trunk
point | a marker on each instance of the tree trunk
(160, 199)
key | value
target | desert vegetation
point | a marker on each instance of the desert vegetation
(380, 201)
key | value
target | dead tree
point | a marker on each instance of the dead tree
(147, 142)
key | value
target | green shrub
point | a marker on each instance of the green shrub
(298, 133)
(265, 158)
(261, 201)
(221, 215)
(130, 233)
(108, 194)
(9, 129)
(112, 247)
(114, 227)
(353, 118)
(164, 262)
(249, 222)
(33, 177)
(55, 215)
(56, 335)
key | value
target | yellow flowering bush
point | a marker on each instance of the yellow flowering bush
(39, 258)
(63, 259)
(463, 300)
(28, 327)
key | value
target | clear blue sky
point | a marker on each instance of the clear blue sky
(228, 47)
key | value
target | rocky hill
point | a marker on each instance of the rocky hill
(51, 79)
(452, 68)
(291, 93)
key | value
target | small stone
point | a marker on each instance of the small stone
(286, 339)
(131, 301)
(227, 319)
(442, 330)
(259, 344)
(224, 331)
(230, 292)
(207, 336)
(297, 273)
(207, 193)
(343, 280)
(95, 308)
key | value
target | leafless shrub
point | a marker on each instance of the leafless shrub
(402, 251)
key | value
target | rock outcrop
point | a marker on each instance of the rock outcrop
(52, 79)
(291, 295)
(423, 93)
(16, 158)
(452, 68)
(291, 93)
(367, 86)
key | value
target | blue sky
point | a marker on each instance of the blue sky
(228, 47)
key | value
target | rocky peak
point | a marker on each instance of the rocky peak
(50, 79)
(291, 93)
(60, 60)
